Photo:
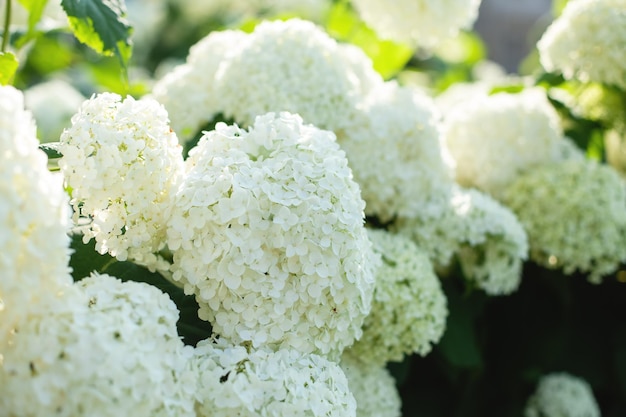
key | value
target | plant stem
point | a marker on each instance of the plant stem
(7, 22)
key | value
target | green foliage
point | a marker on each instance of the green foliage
(102, 25)
(8, 67)
(388, 57)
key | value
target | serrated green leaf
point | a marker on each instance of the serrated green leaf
(8, 67)
(387, 56)
(35, 11)
(51, 149)
(102, 25)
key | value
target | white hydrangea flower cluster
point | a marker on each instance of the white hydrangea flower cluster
(574, 215)
(267, 231)
(188, 92)
(561, 394)
(486, 237)
(494, 244)
(235, 381)
(373, 387)
(424, 23)
(409, 308)
(297, 68)
(586, 42)
(122, 162)
(409, 177)
(108, 346)
(493, 139)
(34, 216)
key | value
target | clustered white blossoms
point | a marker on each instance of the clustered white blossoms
(561, 394)
(122, 162)
(373, 387)
(586, 42)
(409, 309)
(574, 215)
(267, 231)
(106, 346)
(34, 216)
(424, 23)
(410, 177)
(297, 68)
(233, 380)
(488, 240)
(494, 138)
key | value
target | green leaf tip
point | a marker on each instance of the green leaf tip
(101, 25)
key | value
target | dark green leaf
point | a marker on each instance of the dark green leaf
(51, 149)
(102, 25)
(8, 67)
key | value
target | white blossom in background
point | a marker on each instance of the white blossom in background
(493, 139)
(297, 68)
(123, 163)
(485, 237)
(188, 91)
(562, 395)
(575, 216)
(373, 387)
(34, 217)
(395, 154)
(53, 15)
(423, 23)
(234, 380)
(494, 244)
(267, 231)
(108, 347)
(53, 103)
(409, 308)
(586, 42)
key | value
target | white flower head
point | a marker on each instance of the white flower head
(488, 240)
(418, 22)
(188, 92)
(561, 394)
(108, 346)
(586, 42)
(409, 308)
(34, 217)
(235, 381)
(373, 387)
(123, 163)
(395, 154)
(267, 231)
(298, 68)
(493, 139)
(574, 215)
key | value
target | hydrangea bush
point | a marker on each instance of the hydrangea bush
(309, 209)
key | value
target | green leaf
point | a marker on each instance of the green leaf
(51, 149)
(558, 6)
(102, 25)
(35, 11)
(8, 67)
(387, 56)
